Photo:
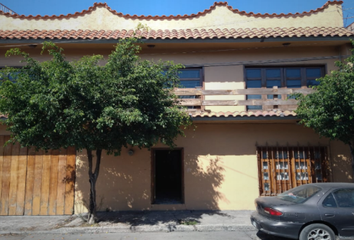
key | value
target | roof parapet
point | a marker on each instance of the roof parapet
(163, 17)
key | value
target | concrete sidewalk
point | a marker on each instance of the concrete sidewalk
(143, 221)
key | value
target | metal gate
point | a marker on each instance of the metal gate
(282, 168)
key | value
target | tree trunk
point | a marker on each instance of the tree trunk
(352, 153)
(92, 217)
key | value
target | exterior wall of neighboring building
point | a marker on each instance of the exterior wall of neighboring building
(220, 167)
(220, 16)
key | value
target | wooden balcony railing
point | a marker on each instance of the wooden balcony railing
(283, 103)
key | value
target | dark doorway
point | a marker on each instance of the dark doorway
(167, 177)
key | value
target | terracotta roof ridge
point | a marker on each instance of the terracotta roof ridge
(329, 2)
(61, 16)
(149, 17)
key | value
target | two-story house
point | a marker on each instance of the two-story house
(240, 69)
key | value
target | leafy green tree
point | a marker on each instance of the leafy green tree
(125, 102)
(330, 109)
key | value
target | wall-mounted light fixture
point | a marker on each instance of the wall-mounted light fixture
(131, 152)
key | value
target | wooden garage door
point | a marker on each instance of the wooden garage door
(36, 183)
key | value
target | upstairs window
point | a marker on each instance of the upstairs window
(289, 77)
(9, 76)
(190, 77)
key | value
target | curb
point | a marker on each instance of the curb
(158, 228)
(155, 228)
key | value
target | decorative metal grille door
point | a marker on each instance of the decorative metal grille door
(282, 168)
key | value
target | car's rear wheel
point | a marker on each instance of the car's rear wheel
(317, 231)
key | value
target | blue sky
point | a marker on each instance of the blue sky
(170, 7)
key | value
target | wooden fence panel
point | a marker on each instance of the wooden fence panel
(36, 183)
(70, 181)
(30, 181)
(45, 183)
(21, 187)
(1, 163)
(6, 169)
(53, 189)
(61, 182)
(14, 179)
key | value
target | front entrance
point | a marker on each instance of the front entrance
(282, 168)
(167, 176)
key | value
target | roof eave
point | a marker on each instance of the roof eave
(250, 40)
(243, 118)
(189, 40)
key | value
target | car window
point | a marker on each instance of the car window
(299, 194)
(344, 197)
(329, 201)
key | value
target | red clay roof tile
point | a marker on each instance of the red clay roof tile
(180, 34)
(206, 11)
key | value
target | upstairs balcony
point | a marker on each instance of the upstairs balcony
(251, 99)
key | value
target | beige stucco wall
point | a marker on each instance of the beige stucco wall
(223, 70)
(224, 65)
(221, 17)
(220, 167)
(340, 162)
(224, 78)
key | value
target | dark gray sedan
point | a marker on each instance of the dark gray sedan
(316, 211)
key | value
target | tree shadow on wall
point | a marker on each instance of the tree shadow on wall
(340, 168)
(205, 176)
(124, 185)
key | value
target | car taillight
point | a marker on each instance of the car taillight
(272, 211)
